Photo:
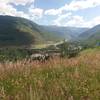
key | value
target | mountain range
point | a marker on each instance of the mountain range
(16, 31)
(91, 36)
(65, 32)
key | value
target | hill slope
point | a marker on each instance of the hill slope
(16, 31)
(92, 36)
(65, 32)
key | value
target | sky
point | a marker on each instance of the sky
(74, 13)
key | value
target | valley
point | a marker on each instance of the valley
(39, 62)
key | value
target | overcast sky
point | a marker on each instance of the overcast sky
(77, 13)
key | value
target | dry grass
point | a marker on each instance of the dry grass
(57, 79)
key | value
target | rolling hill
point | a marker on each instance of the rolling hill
(16, 31)
(92, 36)
(64, 32)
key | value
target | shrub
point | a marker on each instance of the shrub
(69, 50)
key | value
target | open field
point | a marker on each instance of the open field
(57, 79)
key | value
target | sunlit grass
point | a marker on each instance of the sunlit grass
(57, 79)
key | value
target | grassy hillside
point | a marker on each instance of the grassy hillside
(64, 32)
(15, 31)
(58, 79)
(92, 36)
(18, 31)
(94, 39)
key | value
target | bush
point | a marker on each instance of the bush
(13, 54)
(72, 54)
(64, 49)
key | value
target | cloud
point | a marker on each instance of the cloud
(74, 6)
(83, 4)
(36, 12)
(7, 9)
(22, 2)
(22, 14)
(53, 12)
(67, 19)
(61, 18)
(64, 14)
(75, 21)
(18, 2)
(94, 21)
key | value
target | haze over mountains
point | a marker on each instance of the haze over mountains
(16, 31)
(65, 32)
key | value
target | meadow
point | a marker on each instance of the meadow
(76, 78)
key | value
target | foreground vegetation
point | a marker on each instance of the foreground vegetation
(57, 79)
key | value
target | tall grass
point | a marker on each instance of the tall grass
(57, 79)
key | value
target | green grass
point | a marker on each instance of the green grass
(91, 50)
(55, 80)
(19, 32)
(52, 84)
